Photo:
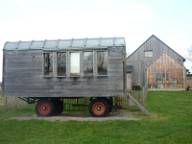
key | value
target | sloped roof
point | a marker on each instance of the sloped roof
(65, 44)
(153, 36)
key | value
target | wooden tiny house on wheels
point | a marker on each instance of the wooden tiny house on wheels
(47, 72)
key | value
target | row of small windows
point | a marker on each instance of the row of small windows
(75, 63)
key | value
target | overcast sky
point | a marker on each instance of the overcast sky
(136, 20)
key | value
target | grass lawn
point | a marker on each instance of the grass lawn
(170, 123)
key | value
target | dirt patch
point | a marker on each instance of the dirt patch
(64, 117)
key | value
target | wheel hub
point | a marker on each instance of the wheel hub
(99, 108)
(44, 108)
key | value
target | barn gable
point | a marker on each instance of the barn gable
(149, 52)
(158, 46)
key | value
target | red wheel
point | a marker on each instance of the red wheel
(44, 108)
(99, 108)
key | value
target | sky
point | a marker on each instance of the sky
(136, 20)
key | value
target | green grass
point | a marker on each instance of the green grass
(1, 100)
(170, 123)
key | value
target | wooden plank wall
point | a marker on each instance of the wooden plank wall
(23, 76)
(188, 82)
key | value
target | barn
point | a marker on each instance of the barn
(156, 65)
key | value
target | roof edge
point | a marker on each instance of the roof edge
(158, 40)
(65, 43)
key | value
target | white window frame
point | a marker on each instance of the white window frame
(75, 72)
(148, 54)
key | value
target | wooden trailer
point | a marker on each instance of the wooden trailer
(46, 72)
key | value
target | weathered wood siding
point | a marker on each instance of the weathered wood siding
(23, 77)
(140, 62)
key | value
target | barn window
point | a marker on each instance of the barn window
(102, 63)
(88, 63)
(75, 63)
(148, 54)
(48, 63)
(61, 64)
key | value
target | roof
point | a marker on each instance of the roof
(158, 40)
(65, 44)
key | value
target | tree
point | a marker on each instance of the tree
(187, 71)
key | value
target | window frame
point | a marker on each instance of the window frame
(43, 64)
(69, 63)
(54, 58)
(148, 52)
(65, 64)
(83, 67)
(96, 64)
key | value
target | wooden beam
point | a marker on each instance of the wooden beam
(139, 105)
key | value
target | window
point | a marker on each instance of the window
(48, 63)
(61, 64)
(75, 63)
(88, 63)
(148, 54)
(102, 63)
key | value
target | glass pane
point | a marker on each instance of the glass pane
(48, 63)
(107, 42)
(75, 63)
(61, 64)
(149, 54)
(88, 63)
(102, 63)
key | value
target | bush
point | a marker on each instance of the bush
(188, 88)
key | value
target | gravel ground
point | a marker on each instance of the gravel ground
(64, 117)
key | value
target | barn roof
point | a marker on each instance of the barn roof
(91, 43)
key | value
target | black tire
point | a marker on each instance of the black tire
(45, 108)
(58, 104)
(110, 102)
(99, 107)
